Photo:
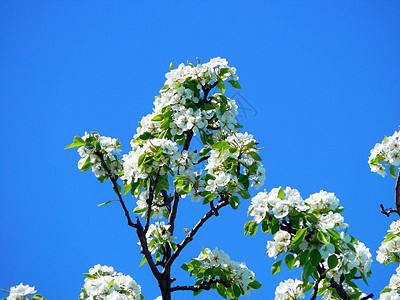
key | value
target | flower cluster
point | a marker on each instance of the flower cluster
(102, 282)
(392, 291)
(289, 289)
(238, 149)
(183, 104)
(308, 231)
(390, 248)
(157, 235)
(91, 147)
(147, 158)
(231, 278)
(387, 152)
(20, 292)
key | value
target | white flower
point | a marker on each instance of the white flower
(326, 250)
(20, 291)
(289, 289)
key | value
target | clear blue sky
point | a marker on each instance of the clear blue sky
(320, 86)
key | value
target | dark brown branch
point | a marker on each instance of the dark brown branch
(145, 249)
(397, 192)
(367, 297)
(223, 202)
(205, 285)
(113, 179)
(139, 229)
(316, 284)
(340, 290)
(149, 200)
(389, 211)
(202, 159)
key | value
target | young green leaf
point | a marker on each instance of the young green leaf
(392, 171)
(235, 84)
(105, 203)
(276, 267)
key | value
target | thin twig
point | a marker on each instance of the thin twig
(223, 202)
(389, 211)
(113, 179)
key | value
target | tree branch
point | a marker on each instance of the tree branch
(340, 290)
(205, 285)
(139, 228)
(223, 202)
(316, 284)
(389, 211)
(397, 192)
(202, 159)
(113, 179)
(150, 200)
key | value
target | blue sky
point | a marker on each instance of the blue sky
(320, 86)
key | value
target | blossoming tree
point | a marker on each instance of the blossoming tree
(164, 166)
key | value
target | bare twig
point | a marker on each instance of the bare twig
(389, 211)
(113, 179)
(223, 202)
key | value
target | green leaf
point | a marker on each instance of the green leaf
(392, 171)
(276, 267)
(141, 159)
(244, 194)
(333, 233)
(315, 257)
(265, 226)
(158, 118)
(235, 84)
(139, 211)
(221, 86)
(89, 276)
(78, 142)
(171, 66)
(332, 261)
(220, 145)
(105, 203)
(204, 152)
(38, 297)
(127, 188)
(289, 261)
(221, 289)
(303, 257)
(250, 228)
(234, 202)
(300, 235)
(223, 71)
(236, 291)
(144, 260)
(255, 156)
(86, 166)
(208, 198)
(307, 271)
(281, 193)
(323, 237)
(255, 284)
